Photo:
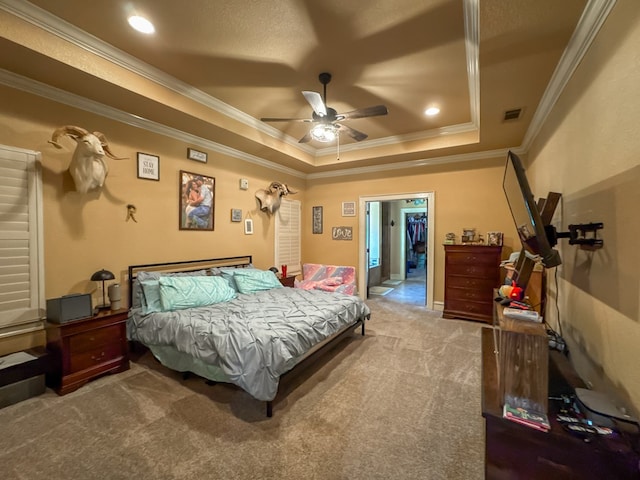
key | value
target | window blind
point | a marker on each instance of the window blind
(288, 236)
(21, 260)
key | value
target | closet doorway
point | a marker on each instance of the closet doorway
(396, 238)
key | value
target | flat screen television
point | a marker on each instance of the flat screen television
(537, 239)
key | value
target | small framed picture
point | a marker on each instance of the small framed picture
(196, 155)
(342, 233)
(148, 166)
(494, 239)
(317, 220)
(248, 227)
(236, 215)
(348, 209)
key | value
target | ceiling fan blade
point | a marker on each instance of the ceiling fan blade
(306, 138)
(316, 102)
(269, 119)
(364, 112)
(352, 132)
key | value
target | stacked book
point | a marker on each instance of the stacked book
(527, 417)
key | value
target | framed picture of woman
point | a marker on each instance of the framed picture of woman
(197, 194)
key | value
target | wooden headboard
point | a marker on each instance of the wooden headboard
(186, 266)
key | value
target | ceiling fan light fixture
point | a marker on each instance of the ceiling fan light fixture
(324, 133)
(431, 111)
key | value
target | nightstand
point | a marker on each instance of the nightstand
(288, 281)
(88, 348)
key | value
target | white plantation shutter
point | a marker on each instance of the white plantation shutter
(22, 304)
(288, 236)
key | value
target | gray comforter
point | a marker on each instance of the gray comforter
(253, 338)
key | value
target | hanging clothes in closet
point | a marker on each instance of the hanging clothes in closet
(417, 230)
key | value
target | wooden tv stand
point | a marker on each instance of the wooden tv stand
(515, 451)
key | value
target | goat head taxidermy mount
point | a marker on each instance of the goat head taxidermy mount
(87, 166)
(270, 198)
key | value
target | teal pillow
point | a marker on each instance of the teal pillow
(177, 293)
(139, 294)
(151, 292)
(249, 280)
(228, 274)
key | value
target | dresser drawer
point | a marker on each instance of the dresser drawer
(477, 295)
(90, 358)
(474, 270)
(456, 258)
(462, 307)
(485, 284)
(93, 339)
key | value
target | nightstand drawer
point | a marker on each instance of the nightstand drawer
(90, 358)
(85, 349)
(93, 339)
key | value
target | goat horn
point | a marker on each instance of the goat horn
(70, 130)
(289, 191)
(105, 146)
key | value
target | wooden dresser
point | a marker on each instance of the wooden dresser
(87, 348)
(471, 274)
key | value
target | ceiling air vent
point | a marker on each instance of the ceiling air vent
(513, 114)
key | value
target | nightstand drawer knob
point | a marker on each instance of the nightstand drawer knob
(99, 357)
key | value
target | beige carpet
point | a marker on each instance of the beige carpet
(392, 282)
(403, 402)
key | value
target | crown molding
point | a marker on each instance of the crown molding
(393, 140)
(61, 96)
(472, 42)
(592, 19)
(81, 39)
(426, 162)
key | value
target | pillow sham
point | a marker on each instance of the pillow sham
(228, 274)
(138, 299)
(250, 280)
(177, 293)
(151, 291)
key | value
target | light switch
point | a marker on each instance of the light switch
(244, 184)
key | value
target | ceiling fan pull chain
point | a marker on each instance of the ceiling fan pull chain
(338, 140)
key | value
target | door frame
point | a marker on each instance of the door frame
(362, 244)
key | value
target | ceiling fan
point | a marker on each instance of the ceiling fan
(327, 119)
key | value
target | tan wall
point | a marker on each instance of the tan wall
(84, 233)
(589, 151)
(466, 195)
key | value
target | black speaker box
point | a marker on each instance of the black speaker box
(69, 307)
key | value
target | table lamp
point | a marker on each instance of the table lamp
(102, 276)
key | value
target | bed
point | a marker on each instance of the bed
(228, 322)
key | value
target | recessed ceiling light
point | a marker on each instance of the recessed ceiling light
(141, 24)
(431, 111)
